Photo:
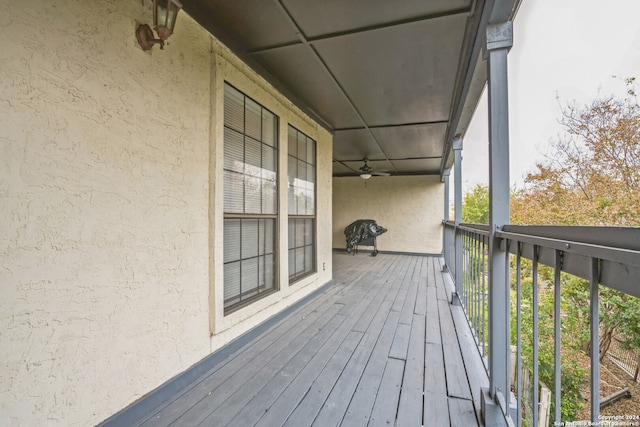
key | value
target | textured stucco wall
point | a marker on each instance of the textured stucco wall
(103, 192)
(108, 208)
(410, 207)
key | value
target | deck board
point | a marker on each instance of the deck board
(457, 382)
(379, 347)
(384, 408)
(361, 405)
(411, 398)
(319, 390)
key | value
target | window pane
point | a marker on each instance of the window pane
(292, 169)
(253, 119)
(252, 195)
(292, 201)
(311, 175)
(292, 166)
(310, 210)
(231, 281)
(231, 240)
(299, 260)
(292, 138)
(301, 247)
(308, 258)
(311, 151)
(292, 263)
(269, 128)
(292, 233)
(270, 236)
(269, 272)
(302, 147)
(269, 162)
(301, 172)
(308, 231)
(301, 201)
(299, 233)
(233, 108)
(261, 273)
(249, 269)
(266, 236)
(269, 197)
(249, 239)
(249, 247)
(253, 157)
(233, 151)
(233, 192)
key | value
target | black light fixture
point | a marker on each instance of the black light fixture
(165, 13)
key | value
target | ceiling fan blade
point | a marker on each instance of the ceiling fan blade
(380, 173)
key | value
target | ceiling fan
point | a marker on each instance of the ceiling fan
(367, 172)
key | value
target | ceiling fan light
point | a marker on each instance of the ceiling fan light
(365, 175)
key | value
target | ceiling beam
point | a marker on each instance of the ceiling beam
(329, 36)
(316, 55)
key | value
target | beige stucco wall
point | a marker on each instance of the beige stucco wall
(410, 207)
(110, 208)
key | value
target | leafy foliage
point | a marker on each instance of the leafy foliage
(590, 177)
(573, 375)
(592, 174)
(475, 206)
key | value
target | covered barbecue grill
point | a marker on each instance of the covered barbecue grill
(363, 232)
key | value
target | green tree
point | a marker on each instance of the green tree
(573, 375)
(475, 205)
(591, 176)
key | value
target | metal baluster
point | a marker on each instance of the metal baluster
(478, 299)
(473, 277)
(519, 334)
(556, 336)
(595, 341)
(507, 316)
(468, 270)
(484, 295)
(465, 268)
(534, 274)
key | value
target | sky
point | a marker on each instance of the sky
(564, 51)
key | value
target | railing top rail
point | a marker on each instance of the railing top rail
(609, 253)
(474, 228)
(619, 244)
(616, 248)
(615, 237)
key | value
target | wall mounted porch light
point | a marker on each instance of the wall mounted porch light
(165, 13)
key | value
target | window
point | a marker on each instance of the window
(250, 199)
(302, 204)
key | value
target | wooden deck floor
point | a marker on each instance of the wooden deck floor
(381, 346)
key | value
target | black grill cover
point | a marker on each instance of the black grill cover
(361, 230)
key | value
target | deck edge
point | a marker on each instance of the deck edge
(148, 404)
